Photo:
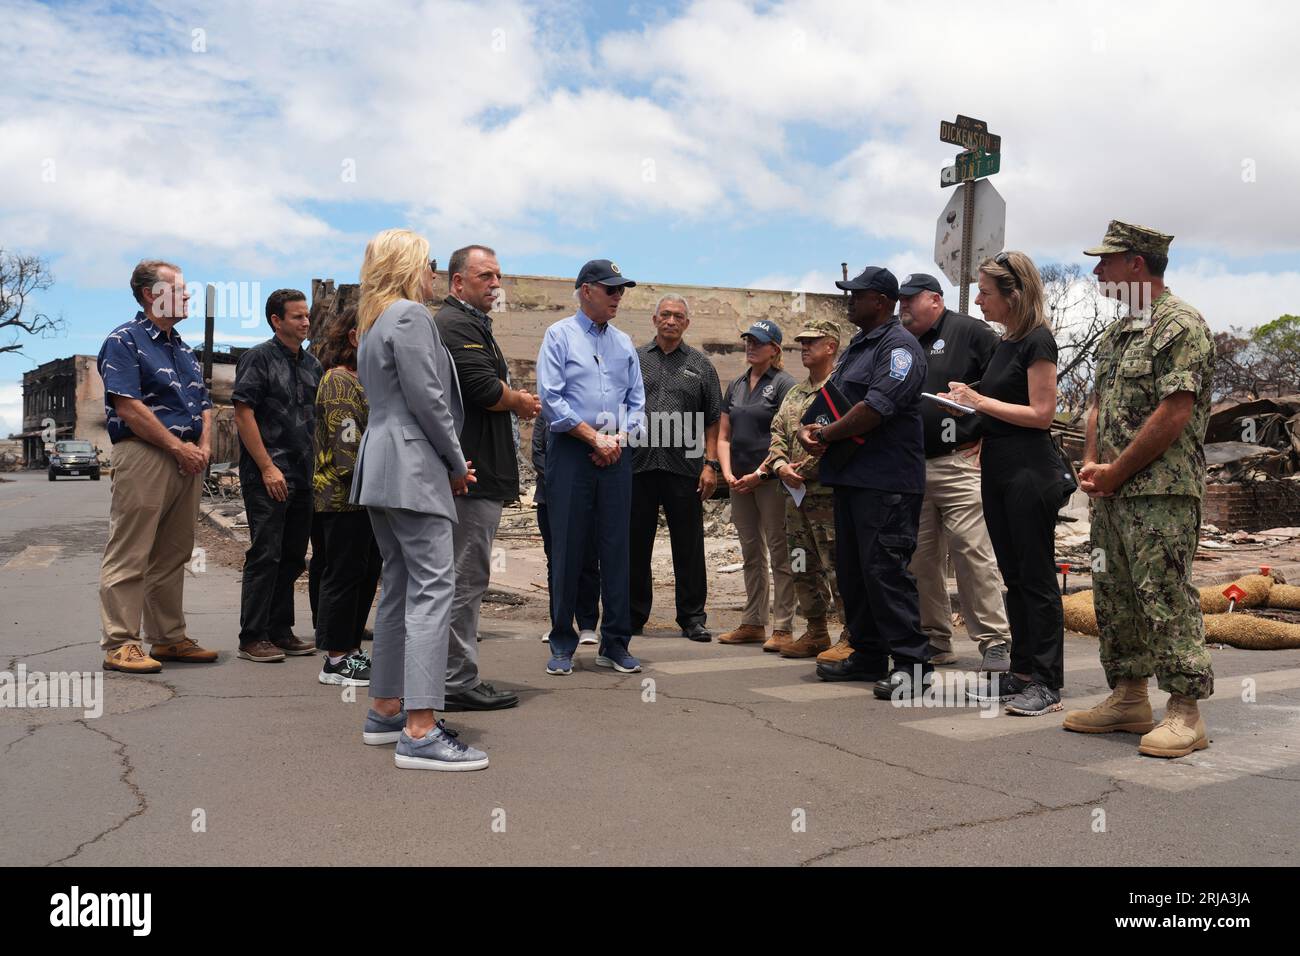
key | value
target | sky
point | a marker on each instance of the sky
(716, 142)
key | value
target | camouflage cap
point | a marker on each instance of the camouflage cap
(819, 328)
(1126, 237)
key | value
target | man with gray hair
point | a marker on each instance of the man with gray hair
(489, 440)
(676, 468)
(160, 422)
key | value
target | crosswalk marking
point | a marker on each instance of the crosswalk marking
(966, 724)
(1229, 757)
(826, 690)
(713, 665)
(33, 556)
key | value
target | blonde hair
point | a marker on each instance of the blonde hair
(392, 269)
(1018, 281)
(778, 360)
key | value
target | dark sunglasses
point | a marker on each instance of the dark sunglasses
(612, 290)
(1004, 260)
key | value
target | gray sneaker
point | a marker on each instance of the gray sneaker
(383, 730)
(1034, 701)
(997, 659)
(438, 750)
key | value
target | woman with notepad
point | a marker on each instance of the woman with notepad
(1022, 479)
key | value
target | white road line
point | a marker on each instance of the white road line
(713, 665)
(33, 556)
(966, 724)
(1228, 758)
(822, 690)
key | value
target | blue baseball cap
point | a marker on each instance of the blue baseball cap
(604, 272)
(764, 331)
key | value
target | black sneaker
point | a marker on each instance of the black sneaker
(353, 669)
(997, 686)
(1034, 701)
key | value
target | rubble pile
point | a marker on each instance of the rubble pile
(1254, 441)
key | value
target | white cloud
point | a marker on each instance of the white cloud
(11, 410)
(496, 119)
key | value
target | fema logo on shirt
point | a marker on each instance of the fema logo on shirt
(938, 348)
(769, 391)
(900, 363)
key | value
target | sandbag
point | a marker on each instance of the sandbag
(1080, 615)
(1284, 596)
(1256, 587)
(1251, 633)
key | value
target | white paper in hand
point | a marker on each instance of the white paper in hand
(795, 493)
(950, 404)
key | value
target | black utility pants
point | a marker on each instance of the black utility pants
(344, 575)
(680, 500)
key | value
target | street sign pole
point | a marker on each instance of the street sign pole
(967, 227)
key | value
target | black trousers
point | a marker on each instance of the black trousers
(875, 535)
(1022, 487)
(588, 583)
(678, 497)
(276, 556)
(343, 577)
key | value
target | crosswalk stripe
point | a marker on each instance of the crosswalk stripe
(966, 723)
(1229, 757)
(33, 556)
(826, 690)
(713, 665)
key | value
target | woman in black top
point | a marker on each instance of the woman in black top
(1023, 479)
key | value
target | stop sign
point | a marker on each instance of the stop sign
(987, 236)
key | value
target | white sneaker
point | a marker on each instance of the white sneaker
(588, 637)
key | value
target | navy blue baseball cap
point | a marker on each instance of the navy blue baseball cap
(604, 272)
(764, 331)
(919, 282)
(873, 278)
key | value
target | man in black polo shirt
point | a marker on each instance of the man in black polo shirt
(490, 440)
(275, 412)
(957, 349)
(677, 468)
(878, 491)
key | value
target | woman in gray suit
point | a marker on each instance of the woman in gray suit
(408, 467)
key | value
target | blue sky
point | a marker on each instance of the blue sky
(715, 143)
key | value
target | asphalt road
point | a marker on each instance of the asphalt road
(714, 755)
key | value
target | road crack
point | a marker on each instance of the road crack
(127, 778)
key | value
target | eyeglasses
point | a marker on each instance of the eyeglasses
(1004, 260)
(613, 291)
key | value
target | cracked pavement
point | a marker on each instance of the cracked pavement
(237, 763)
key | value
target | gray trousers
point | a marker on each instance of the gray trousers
(412, 622)
(477, 520)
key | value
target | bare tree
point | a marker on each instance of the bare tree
(20, 276)
(1079, 315)
(1259, 362)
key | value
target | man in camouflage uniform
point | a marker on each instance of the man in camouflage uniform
(810, 526)
(1144, 466)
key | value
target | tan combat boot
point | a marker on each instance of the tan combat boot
(1181, 732)
(1127, 709)
(131, 659)
(840, 652)
(745, 634)
(779, 641)
(811, 642)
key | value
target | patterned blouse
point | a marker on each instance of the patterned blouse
(341, 415)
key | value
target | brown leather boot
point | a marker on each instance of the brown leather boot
(130, 659)
(1127, 709)
(261, 652)
(745, 634)
(1181, 732)
(840, 652)
(295, 647)
(811, 642)
(779, 641)
(183, 651)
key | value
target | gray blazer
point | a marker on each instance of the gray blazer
(409, 450)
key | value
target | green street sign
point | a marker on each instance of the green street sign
(972, 164)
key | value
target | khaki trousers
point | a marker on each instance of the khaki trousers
(150, 540)
(952, 522)
(759, 518)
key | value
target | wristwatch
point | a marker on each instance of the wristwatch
(715, 465)
(764, 476)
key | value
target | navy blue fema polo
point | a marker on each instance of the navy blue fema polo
(886, 369)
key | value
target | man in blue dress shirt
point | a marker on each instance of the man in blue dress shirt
(589, 381)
